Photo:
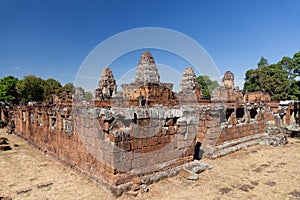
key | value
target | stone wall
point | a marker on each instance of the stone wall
(147, 128)
(51, 129)
(146, 140)
(257, 97)
(147, 92)
(117, 143)
(4, 110)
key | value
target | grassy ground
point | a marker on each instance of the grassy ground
(260, 172)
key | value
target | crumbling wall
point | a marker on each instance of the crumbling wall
(288, 112)
(141, 141)
(117, 143)
(148, 128)
(138, 141)
(51, 129)
(257, 97)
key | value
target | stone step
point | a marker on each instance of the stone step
(231, 149)
(239, 141)
(191, 170)
(235, 145)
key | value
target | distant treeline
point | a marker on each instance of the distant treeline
(33, 89)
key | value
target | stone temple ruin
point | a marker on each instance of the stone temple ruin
(147, 130)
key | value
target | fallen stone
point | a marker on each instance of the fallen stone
(135, 187)
(189, 175)
(136, 180)
(132, 193)
(155, 178)
(144, 188)
(116, 191)
(274, 140)
(197, 167)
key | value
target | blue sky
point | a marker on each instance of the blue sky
(52, 38)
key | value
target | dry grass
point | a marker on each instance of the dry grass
(260, 172)
(27, 173)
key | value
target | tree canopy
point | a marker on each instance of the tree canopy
(262, 62)
(280, 79)
(51, 87)
(206, 85)
(68, 88)
(8, 90)
(32, 88)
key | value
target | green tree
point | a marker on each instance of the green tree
(206, 85)
(252, 81)
(296, 59)
(277, 79)
(31, 88)
(295, 90)
(292, 66)
(51, 87)
(262, 62)
(88, 96)
(288, 64)
(274, 80)
(8, 89)
(69, 88)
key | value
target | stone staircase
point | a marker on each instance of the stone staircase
(235, 145)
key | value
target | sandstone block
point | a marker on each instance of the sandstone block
(189, 175)
(135, 187)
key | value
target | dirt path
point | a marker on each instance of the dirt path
(260, 172)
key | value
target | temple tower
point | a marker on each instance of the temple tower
(228, 79)
(146, 71)
(107, 85)
(189, 87)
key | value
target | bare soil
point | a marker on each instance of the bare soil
(259, 172)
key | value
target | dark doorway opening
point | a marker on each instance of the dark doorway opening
(134, 118)
(198, 153)
(253, 113)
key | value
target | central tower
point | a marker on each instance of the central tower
(146, 71)
(147, 87)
